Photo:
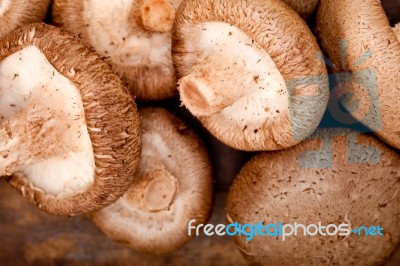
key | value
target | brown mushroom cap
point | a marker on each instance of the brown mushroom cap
(304, 7)
(173, 186)
(70, 131)
(364, 29)
(361, 188)
(249, 72)
(16, 13)
(134, 36)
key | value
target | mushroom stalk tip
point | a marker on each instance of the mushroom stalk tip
(155, 15)
(155, 190)
(396, 30)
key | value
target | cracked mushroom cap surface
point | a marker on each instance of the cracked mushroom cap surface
(250, 71)
(174, 185)
(337, 176)
(16, 13)
(304, 7)
(134, 36)
(70, 130)
(358, 39)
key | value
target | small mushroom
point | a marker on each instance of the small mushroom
(249, 71)
(16, 13)
(304, 7)
(371, 52)
(70, 131)
(134, 36)
(337, 177)
(172, 187)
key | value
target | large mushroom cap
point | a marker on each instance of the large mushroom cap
(16, 13)
(335, 177)
(70, 132)
(250, 71)
(304, 7)
(173, 186)
(133, 35)
(358, 39)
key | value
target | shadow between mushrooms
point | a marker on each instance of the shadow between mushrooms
(16, 13)
(371, 53)
(133, 35)
(70, 131)
(173, 186)
(249, 71)
(336, 177)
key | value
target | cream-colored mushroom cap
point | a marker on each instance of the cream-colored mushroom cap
(337, 177)
(370, 51)
(173, 186)
(250, 71)
(134, 36)
(70, 131)
(16, 13)
(304, 7)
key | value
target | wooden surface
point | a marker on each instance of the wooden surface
(30, 236)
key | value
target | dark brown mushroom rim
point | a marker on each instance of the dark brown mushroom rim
(110, 118)
(174, 186)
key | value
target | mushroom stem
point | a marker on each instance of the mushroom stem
(396, 30)
(155, 187)
(153, 15)
(231, 67)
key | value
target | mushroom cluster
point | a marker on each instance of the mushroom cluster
(73, 142)
(360, 187)
(133, 35)
(250, 71)
(173, 186)
(70, 132)
(16, 13)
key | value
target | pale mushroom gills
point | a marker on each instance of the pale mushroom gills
(133, 35)
(250, 71)
(70, 135)
(172, 187)
(44, 134)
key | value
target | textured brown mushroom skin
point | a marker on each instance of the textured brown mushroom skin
(108, 106)
(283, 34)
(273, 187)
(164, 230)
(364, 26)
(21, 12)
(304, 7)
(145, 82)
